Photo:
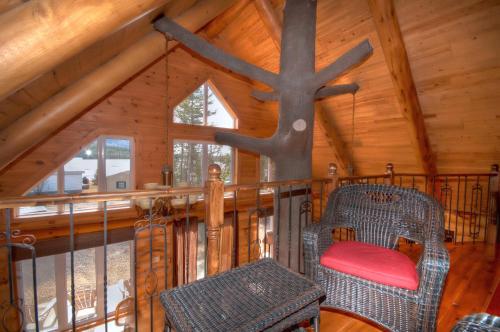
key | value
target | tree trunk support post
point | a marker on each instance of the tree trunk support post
(389, 174)
(493, 225)
(214, 201)
(296, 87)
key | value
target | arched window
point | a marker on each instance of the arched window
(205, 107)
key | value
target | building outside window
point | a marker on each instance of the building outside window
(105, 165)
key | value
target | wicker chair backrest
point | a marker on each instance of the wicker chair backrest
(381, 214)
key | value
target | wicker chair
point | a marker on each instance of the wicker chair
(380, 215)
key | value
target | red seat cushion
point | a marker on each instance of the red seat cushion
(371, 262)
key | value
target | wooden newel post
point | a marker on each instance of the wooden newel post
(332, 174)
(214, 202)
(389, 174)
(494, 197)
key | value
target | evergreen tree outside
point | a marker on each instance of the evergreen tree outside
(191, 159)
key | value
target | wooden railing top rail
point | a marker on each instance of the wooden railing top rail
(273, 184)
(18, 201)
(446, 174)
(21, 201)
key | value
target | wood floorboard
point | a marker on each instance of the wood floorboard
(473, 277)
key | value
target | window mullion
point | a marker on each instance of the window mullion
(60, 187)
(205, 104)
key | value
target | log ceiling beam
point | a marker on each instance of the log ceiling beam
(271, 20)
(391, 40)
(57, 111)
(274, 27)
(34, 40)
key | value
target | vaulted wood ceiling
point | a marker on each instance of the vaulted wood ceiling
(452, 49)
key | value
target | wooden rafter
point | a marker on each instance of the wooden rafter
(54, 113)
(391, 40)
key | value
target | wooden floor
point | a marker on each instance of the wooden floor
(473, 276)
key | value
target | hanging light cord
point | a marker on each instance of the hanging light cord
(352, 134)
(166, 74)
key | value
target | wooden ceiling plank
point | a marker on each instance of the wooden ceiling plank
(69, 103)
(391, 40)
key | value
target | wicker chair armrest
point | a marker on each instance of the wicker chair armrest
(310, 236)
(435, 258)
(317, 238)
(433, 269)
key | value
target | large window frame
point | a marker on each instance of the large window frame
(101, 174)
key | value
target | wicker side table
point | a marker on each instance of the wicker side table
(261, 296)
(480, 322)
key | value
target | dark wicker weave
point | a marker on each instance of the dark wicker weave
(481, 322)
(380, 214)
(256, 297)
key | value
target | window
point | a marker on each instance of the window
(191, 161)
(54, 289)
(204, 107)
(104, 165)
(265, 169)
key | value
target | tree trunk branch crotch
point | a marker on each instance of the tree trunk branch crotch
(296, 87)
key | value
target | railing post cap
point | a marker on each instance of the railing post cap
(332, 169)
(494, 168)
(389, 168)
(214, 172)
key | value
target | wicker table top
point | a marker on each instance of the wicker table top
(250, 298)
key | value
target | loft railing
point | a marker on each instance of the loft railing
(171, 240)
(469, 199)
(66, 272)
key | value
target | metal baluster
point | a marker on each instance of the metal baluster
(35, 291)
(9, 257)
(426, 180)
(456, 214)
(487, 208)
(433, 186)
(249, 224)
(234, 260)
(265, 236)
(321, 200)
(413, 182)
(187, 242)
(105, 265)
(150, 217)
(471, 210)
(465, 206)
(165, 249)
(289, 224)
(446, 199)
(136, 320)
(480, 212)
(72, 263)
(400, 181)
(277, 221)
(308, 190)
